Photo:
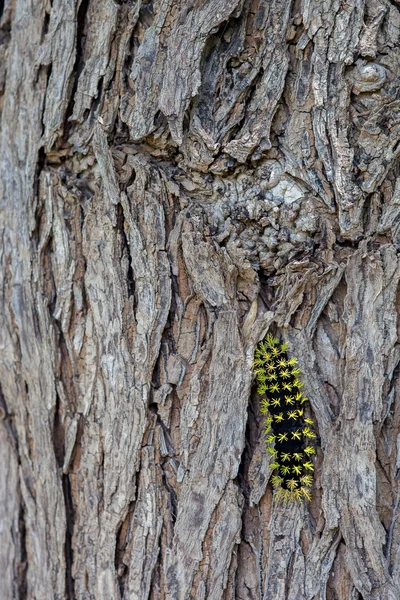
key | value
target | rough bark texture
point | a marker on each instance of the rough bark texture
(176, 178)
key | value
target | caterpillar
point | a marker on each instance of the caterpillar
(289, 433)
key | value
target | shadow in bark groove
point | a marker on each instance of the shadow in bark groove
(22, 567)
(41, 161)
(252, 434)
(58, 434)
(121, 543)
(69, 514)
(251, 437)
(130, 280)
(78, 66)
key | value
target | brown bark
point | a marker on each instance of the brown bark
(177, 178)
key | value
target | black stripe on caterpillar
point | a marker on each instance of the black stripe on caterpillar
(289, 433)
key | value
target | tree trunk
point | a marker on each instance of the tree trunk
(177, 179)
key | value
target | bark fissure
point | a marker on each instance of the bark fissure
(69, 553)
(22, 565)
(125, 248)
(80, 41)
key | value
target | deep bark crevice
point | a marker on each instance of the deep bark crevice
(251, 439)
(69, 553)
(46, 23)
(58, 434)
(22, 565)
(121, 543)
(78, 66)
(40, 165)
(125, 249)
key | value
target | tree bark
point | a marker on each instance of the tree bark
(177, 179)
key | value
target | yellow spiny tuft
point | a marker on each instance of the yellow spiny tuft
(306, 480)
(276, 480)
(308, 433)
(289, 400)
(306, 493)
(258, 361)
(292, 414)
(297, 495)
(298, 384)
(272, 451)
(309, 450)
(262, 376)
(271, 341)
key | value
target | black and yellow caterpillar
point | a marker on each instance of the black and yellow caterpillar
(289, 432)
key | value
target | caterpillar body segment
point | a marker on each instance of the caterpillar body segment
(289, 433)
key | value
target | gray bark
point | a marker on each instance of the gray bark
(176, 179)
